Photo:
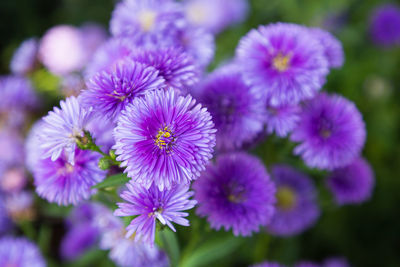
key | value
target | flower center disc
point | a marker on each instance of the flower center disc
(281, 62)
(286, 198)
(165, 139)
(147, 19)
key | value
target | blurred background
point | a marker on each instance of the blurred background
(366, 234)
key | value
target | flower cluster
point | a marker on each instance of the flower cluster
(142, 123)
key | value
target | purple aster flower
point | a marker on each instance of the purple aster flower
(268, 264)
(331, 132)
(333, 48)
(33, 153)
(197, 42)
(282, 119)
(12, 149)
(17, 98)
(174, 65)
(284, 61)
(109, 55)
(165, 139)
(25, 57)
(152, 204)
(61, 128)
(78, 240)
(385, 25)
(335, 262)
(236, 193)
(94, 36)
(238, 113)
(20, 252)
(215, 15)
(296, 208)
(63, 183)
(145, 22)
(109, 92)
(353, 183)
(62, 50)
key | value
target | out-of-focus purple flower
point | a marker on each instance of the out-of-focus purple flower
(63, 183)
(145, 22)
(333, 48)
(353, 183)
(215, 15)
(173, 64)
(94, 36)
(238, 113)
(296, 208)
(306, 264)
(282, 119)
(336, 262)
(283, 61)
(5, 222)
(197, 42)
(165, 139)
(109, 92)
(152, 204)
(385, 25)
(20, 252)
(32, 143)
(19, 205)
(78, 240)
(109, 55)
(62, 50)
(17, 98)
(25, 57)
(268, 264)
(12, 149)
(236, 193)
(72, 85)
(61, 128)
(331, 132)
(12, 178)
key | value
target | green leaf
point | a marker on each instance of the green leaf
(211, 251)
(113, 181)
(167, 240)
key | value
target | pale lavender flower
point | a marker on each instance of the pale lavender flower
(25, 57)
(20, 252)
(152, 204)
(165, 139)
(282, 119)
(61, 128)
(333, 48)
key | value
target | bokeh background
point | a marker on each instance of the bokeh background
(366, 234)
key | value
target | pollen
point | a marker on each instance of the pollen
(147, 19)
(165, 139)
(286, 198)
(281, 62)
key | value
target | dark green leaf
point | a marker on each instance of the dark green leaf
(113, 181)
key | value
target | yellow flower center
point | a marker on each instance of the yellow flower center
(286, 198)
(165, 139)
(196, 13)
(281, 62)
(147, 19)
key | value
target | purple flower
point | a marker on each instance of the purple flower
(282, 119)
(268, 264)
(17, 98)
(296, 208)
(336, 262)
(331, 132)
(94, 36)
(284, 61)
(20, 252)
(25, 57)
(61, 128)
(109, 92)
(78, 240)
(145, 22)
(385, 25)
(174, 65)
(236, 193)
(152, 204)
(238, 113)
(333, 48)
(62, 51)
(63, 183)
(5, 221)
(109, 55)
(353, 183)
(165, 139)
(12, 178)
(32, 143)
(215, 15)
(12, 149)
(197, 42)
